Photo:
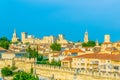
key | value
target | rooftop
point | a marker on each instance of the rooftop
(101, 56)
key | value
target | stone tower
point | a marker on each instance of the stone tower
(61, 37)
(86, 37)
(15, 38)
(97, 44)
(23, 36)
(107, 38)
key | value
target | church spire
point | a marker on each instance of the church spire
(14, 38)
(14, 34)
(14, 31)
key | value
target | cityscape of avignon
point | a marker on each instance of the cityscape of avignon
(59, 39)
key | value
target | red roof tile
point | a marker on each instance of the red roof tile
(73, 51)
(67, 59)
(101, 56)
(107, 43)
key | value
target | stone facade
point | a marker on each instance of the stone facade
(86, 37)
(45, 40)
(15, 38)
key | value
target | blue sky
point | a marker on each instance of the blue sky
(68, 17)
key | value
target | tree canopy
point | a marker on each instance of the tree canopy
(55, 47)
(24, 76)
(32, 53)
(6, 71)
(4, 42)
(89, 44)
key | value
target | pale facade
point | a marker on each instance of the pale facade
(96, 62)
(61, 39)
(8, 56)
(45, 40)
(30, 39)
(86, 37)
(15, 38)
(107, 38)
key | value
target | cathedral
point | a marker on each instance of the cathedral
(15, 38)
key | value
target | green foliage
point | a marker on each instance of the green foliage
(27, 43)
(100, 44)
(55, 47)
(13, 68)
(25, 76)
(43, 62)
(6, 71)
(15, 42)
(4, 42)
(31, 71)
(89, 44)
(55, 63)
(40, 58)
(32, 53)
(4, 39)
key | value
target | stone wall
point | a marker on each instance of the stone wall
(21, 63)
(58, 73)
(5, 62)
(71, 74)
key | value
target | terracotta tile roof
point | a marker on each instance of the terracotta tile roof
(73, 51)
(118, 45)
(107, 43)
(108, 49)
(55, 56)
(67, 59)
(111, 49)
(101, 56)
(41, 49)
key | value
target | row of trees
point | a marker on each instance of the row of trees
(45, 61)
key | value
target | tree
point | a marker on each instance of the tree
(6, 71)
(24, 76)
(15, 42)
(55, 47)
(40, 58)
(55, 63)
(89, 44)
(32, 53)
(27, 43)
(4, 39)
(4, 42)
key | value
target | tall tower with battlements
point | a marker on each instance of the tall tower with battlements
(107, 38)
(23, 37)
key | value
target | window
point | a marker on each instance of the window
(116, 67)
